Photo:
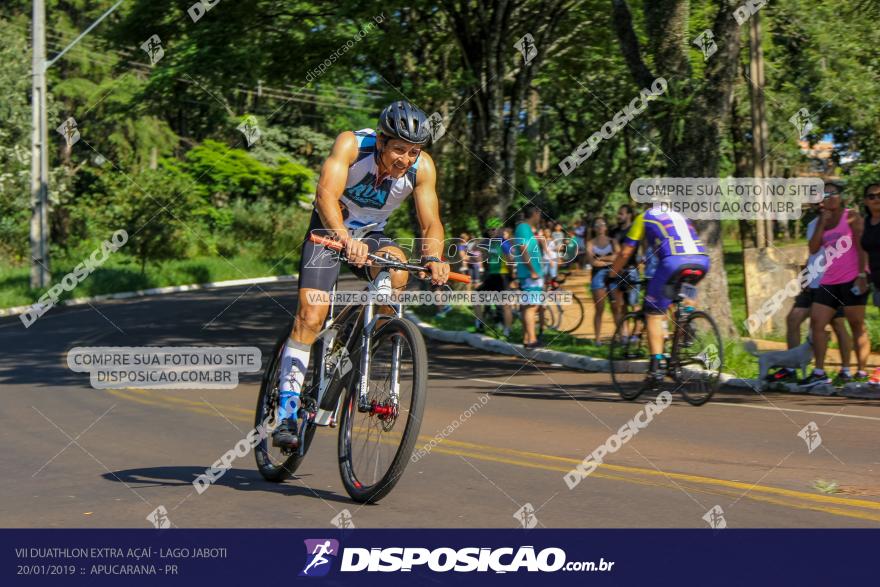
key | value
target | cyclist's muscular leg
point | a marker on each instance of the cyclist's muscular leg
(310, 315)
(655, 332)
(398, 278)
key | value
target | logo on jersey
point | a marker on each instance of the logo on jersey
(320, 554)
(366, 195)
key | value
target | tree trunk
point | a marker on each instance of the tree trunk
(502, 79)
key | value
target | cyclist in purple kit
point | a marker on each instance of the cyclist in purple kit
(673, 240)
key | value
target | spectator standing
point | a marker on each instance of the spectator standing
(871, 246)
(580, 231)
(800, 311)
(843, 284)
(625, 290)
(551, 255)
(528, 270)
(498, 265)
(601, 251)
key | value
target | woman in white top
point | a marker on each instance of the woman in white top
(601, 251)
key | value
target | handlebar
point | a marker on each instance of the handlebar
(377, 261)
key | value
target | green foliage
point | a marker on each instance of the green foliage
(157, 208)
(169, 130)
(275, 228)
(230, 173)
(862, 176)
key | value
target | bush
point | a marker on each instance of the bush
(276, 229)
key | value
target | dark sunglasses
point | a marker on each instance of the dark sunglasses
(831, 194)
(873, 196)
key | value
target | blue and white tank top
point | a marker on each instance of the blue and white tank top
(366, 199)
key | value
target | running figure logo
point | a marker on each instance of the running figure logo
(69, 131)
(715, 518)
(803, 121)
(319, 553)
(810, 435)
(706, 43)
(526, 516)
(343, 519)
(153, 48)
(526, 46)
(159, 518)
(436, 127)
(250, 129)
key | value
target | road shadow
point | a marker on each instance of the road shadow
(238, 479)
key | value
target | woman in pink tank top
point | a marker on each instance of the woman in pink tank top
(844, 267)
(838, 235)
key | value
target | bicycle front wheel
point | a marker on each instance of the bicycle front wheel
(375, 444)
(699, 358)
(628, 356)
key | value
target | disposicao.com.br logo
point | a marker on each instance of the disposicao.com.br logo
(320, 553)
(442, 560)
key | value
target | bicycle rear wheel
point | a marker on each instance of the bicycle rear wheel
(275, 464)
(375, 445)
(699, 358)
(628, 356)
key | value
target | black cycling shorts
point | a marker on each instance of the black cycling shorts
(805, 299)
(319, 266)
(839, 295)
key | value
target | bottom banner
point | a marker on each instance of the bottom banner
(420, 557)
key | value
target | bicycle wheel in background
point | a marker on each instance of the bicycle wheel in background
(552, 316)
(274, 463)
(571, 316)
(375, 445)
(628, 356)
(699, 359)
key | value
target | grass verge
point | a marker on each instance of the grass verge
(121, 273)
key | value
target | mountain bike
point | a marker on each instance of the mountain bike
(369, 370)
(693, 351)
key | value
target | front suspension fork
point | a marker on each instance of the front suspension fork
(364, 403)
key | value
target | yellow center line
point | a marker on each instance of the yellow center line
(764, 493)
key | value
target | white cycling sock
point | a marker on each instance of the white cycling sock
(294, 363)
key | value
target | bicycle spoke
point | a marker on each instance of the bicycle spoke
(700, 358)
(628, 356)
(376, 443)
(371, 455)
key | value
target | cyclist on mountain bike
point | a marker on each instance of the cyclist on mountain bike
(672, 238)
(368, 175)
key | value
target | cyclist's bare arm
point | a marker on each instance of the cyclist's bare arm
(331, 185)
(622, 257)
(428, 212)
(310, 315)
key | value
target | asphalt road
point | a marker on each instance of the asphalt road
(80, 457)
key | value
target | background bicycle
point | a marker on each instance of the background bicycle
(693, 349)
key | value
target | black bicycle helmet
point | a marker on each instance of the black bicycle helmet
(402, 120)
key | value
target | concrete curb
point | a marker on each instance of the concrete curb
(157, 291)
(570, 360)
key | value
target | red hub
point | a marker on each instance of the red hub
(383, 411)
